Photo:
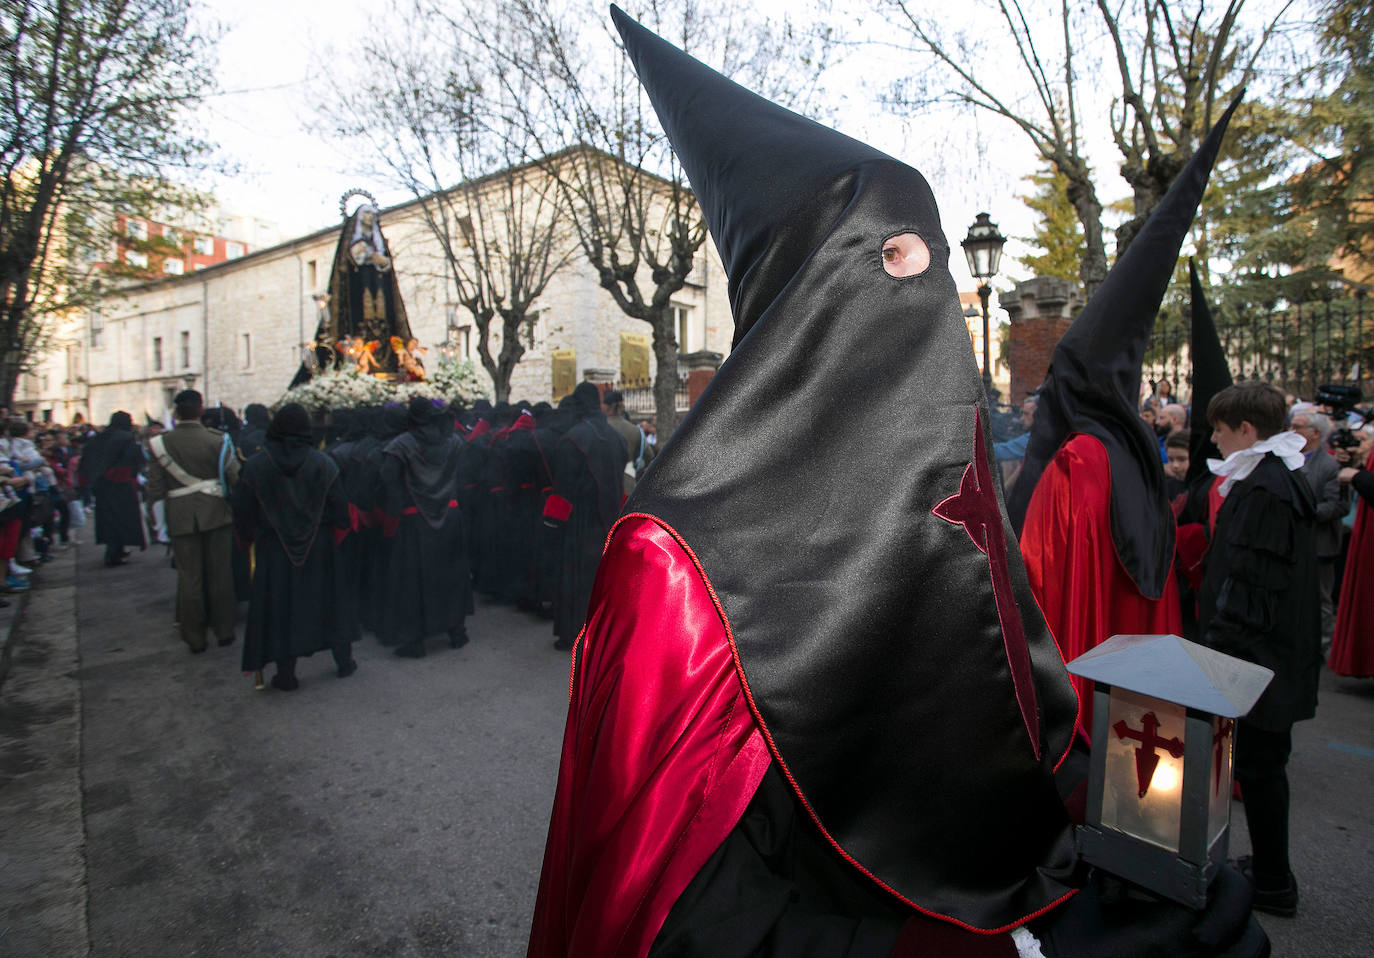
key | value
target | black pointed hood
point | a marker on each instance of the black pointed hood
(835, 483)
(1211, 374)
(754, 166)
(1093, 385)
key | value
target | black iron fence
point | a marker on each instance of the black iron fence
(639, 396)
(1294, 346)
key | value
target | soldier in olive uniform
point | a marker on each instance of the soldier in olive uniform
(192, 468)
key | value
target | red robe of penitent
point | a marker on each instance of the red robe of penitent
(1352, 646)
(1081, 586)
(661, 753)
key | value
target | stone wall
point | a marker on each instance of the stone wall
(1041, 310)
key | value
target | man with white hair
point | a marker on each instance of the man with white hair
(1333, 502)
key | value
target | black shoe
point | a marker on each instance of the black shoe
(198, 651)
(413, 650)
(348, 668)
(457, 638)
(223, 642)
(284, 684)
(562, 645)
(1281, 901)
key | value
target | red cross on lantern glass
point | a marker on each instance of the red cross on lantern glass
(1146, 758)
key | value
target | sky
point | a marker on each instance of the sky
(271, 55)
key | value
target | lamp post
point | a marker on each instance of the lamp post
(1159, 779)
(983, 250)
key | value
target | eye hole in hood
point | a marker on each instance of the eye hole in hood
(905, 254)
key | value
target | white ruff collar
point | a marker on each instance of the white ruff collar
(1235, 467)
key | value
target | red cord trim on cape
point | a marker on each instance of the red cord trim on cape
(1077, 716)
(772, 746)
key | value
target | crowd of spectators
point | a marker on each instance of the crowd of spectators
(43, 503)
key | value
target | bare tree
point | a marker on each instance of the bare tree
(579, 103)
(1177, 63)
(439, 128)
(92, 98)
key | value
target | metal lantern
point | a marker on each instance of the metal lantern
(983, 248)
(1159, 781)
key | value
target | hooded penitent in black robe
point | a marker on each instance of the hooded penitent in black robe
(426, 586)
(552, 425)
(288, 503)
(111, 463)
(473, 497)
(256, 419)
(526, 479)
(376, 547)
(588, 466)
(813, 686)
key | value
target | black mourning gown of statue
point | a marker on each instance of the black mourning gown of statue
(426, 584)
(588, 466)
(290, 505)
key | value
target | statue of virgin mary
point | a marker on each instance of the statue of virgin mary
(363, 301)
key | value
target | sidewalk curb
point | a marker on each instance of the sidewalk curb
(43, 895)
(18, 604)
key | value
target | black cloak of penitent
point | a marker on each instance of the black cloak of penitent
(588, 463)
(111, 463)
(288, 503)
(426, 586)
(911, 697)
(1093, 383)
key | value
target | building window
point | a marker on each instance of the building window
(97, 329)
(313, 272)
(465, 341)
(204, 246)
(135, 229)
(134, 258)
(247, 350)
(185, 350)
(233, 250)
(682, 322)
(173, 267)
(157, 354)
(172, 237)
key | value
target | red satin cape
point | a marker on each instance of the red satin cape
(661, 753)
(1082, 588)
(1352, 644)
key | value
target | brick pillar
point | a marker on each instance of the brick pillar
(701, 368)
(602, 377)
(1041, 310)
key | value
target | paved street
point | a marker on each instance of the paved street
(401, 811)
(152, 803)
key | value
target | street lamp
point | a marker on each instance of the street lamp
(983, 249)
(1159, 776)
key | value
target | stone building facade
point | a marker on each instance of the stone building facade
(236, 330)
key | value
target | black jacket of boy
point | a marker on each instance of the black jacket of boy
(1260, 599)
